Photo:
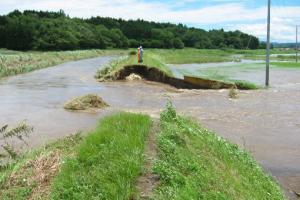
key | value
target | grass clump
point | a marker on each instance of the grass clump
(30, 176)
(85, 102)
(233, 94)
(194, 163)
(107, 163)
(132, 53)
(245, 85)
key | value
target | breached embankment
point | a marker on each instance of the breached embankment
(154, 74)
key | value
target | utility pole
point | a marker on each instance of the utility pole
(268, 44)
(296, 43)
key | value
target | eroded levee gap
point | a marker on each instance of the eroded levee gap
(148, 181)
(154, 74)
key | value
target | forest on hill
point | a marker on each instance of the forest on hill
(43, 30)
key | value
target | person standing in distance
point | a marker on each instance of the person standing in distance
(140, 54)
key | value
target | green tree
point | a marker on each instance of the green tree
(178, 44)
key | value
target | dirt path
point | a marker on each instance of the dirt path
(148, 181)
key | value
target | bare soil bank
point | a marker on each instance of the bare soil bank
(154, 74)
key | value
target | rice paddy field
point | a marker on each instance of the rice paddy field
(15, 62)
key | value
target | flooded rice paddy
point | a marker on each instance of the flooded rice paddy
(247, 70)
(265, 122)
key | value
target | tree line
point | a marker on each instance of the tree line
(43, 30)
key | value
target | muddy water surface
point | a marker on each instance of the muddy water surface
(265, 122)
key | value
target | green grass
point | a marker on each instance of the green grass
(150, 60)
(260, 51)
(189, 55)
(224, 74)
(16, 180)
(14, 62)
(107, 163)
(194, 163)
(246, 85)
(286, 64)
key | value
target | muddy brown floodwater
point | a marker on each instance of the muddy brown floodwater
(265, 122)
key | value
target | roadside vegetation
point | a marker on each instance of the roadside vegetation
(15, 62)
(86, 102)
(194, 163)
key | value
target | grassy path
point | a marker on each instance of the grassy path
(148, 181)
(107, 163)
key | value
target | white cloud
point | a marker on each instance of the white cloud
(233, 13)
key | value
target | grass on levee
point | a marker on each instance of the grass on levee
(194, 163)
(107, 163)
(150, 60)
(29, 176)
(16, 62)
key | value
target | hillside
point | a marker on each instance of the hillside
(39, 30)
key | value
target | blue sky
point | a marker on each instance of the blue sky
(245, 15)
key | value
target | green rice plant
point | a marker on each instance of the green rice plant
(23, 62)
(286, 64)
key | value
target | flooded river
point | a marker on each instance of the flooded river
(265, 122)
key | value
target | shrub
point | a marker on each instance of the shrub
(18, 132)
(132, 53)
